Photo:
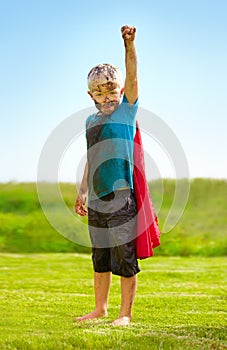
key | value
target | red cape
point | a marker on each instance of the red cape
(148, 233)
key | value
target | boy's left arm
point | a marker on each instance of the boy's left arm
(131, 80)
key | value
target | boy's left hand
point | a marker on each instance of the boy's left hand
(128, 33)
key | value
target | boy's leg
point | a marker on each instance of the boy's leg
(101, 262)
(124, 254)
(102, 281)
(128, 292)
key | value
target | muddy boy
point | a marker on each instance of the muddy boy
(108, 181)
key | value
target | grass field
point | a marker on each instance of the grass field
(201, 231)
(180, 304)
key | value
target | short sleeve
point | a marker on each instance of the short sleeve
(135, 104)
(129, 110)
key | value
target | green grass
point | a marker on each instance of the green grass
(180, 304)
(201, 230)
(24, 227)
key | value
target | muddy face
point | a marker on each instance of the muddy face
(105, 87)
(107, 97)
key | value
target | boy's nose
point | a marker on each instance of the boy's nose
(106, 99)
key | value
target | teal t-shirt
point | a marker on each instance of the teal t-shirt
(110, 145)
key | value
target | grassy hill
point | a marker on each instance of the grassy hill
(202, 229)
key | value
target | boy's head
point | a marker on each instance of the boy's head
(105, 84)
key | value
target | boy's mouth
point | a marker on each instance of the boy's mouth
(108, 105)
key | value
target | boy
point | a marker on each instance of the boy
(109, 176)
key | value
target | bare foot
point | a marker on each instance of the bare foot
(93, 315)
(122, 321)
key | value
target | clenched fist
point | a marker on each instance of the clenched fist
(128, 33)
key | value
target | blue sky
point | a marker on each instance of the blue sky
(48, 47)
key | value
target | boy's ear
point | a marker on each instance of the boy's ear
(122, 91)
(90, 94)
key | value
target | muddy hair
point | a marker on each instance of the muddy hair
(105, 72)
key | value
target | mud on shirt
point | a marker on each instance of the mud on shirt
(110, 144)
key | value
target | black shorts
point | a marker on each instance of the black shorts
(112, 227)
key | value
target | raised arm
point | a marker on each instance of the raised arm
(131, 80)
(80, 207)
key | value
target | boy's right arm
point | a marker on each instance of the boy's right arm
(131, 80)
(80, 207)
